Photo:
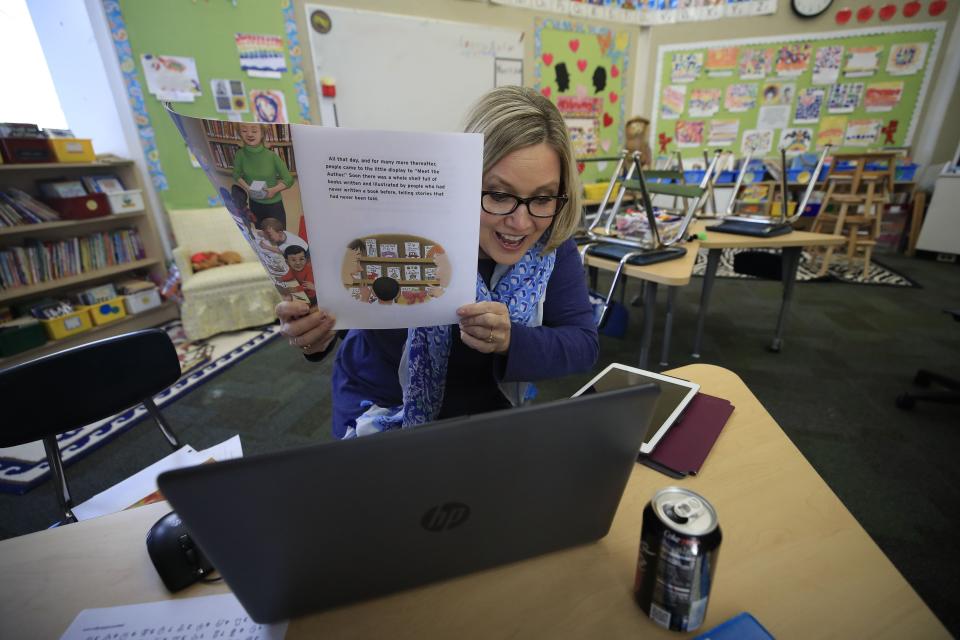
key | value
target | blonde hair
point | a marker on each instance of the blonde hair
(512, 118)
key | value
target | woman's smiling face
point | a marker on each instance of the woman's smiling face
(530, 171)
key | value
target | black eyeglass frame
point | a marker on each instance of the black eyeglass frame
(561, 203)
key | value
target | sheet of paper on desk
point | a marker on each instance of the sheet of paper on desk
(206, 618)
(141, 488)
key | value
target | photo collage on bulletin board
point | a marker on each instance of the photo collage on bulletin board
(583, 71)
(853, 90)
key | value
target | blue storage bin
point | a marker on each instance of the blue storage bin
(727, 177)
(694, 176)
(906, 172)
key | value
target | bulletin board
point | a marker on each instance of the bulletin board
(404, 72)
(583, 70)
(199, 40)
(856, 90)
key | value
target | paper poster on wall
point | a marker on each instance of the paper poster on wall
(793, 59)
(672, 101)
(773, 117)
(686, 67)
(844, 97)
(741, 97)
(229, 96)
(582, 116)
(721, 61)
(809, 105)
(171, 78)
(757, 142)
(723, 133)
(906, 59)
(703, 103)
(796, 140)
(826, 64)
(418, 189)
(882, 96)
(831, 131)
(268, 105)
(261, 56)
(755, 64)
(862, 133)
(777, 93)
(689, 133)
(862, 61)
(507, 72)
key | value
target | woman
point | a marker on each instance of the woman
(522, 328)
(262, 174)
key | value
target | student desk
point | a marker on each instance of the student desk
(790, 245)
(672, 274)
(792, 555)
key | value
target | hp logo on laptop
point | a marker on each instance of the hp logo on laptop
(445, 516)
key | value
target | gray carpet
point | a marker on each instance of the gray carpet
(849, 351)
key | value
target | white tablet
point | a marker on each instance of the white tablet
(675, 395)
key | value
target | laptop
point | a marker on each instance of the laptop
(312, 528)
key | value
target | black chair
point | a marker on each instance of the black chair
(950, 394)
(85, 384)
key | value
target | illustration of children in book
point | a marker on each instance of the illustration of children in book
(281, 238)
(352, 272)
(262, 173)
(392, 268)
(300, 271)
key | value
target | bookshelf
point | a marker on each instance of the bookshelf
(24, 176)
(223, 138)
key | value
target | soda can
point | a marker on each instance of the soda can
(679, 543)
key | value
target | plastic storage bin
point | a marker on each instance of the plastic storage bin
(24, 150)
(72, 149)
(17, 338)
(107, 311)
(67, 325)
(93, 205)
(126, 201)
(141, 301)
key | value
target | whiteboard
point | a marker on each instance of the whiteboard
(407, 73)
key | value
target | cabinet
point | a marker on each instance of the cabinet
(24, 176)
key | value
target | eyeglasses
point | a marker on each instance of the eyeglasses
(497, 203)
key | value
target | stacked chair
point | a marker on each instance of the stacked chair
(603, 241)
(766, 226)
(859, 186)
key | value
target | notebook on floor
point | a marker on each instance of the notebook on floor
(311, 528)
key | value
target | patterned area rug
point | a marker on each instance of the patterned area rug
(839, 270)
(24, 467)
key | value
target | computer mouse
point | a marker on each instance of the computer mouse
(177, 559)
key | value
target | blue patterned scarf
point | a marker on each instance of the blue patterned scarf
(423, 367)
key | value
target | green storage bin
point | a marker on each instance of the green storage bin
(18, 338)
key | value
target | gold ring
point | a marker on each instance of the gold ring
(490, 337)
(306, 347)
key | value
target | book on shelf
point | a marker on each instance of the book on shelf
(108, 184)
(18, 207)
(20, 130)
(61, 188)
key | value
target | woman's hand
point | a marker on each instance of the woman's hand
(309, 331)
(485, 326)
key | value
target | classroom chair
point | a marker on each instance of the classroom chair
(92, 382)
(859, 186)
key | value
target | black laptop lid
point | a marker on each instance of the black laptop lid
(306, 529)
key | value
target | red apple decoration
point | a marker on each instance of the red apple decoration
(864, 13)
(937, 7)
(911, 9)
(887, 11)
(844, 15)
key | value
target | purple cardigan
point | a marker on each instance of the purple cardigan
(366, 366)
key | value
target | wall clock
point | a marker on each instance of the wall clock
(809, 8)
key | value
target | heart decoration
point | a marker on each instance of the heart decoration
(574, 45)
(937, 7)
(546, 92)
(582, 64)
(548, 59)
(601, 165)
(844, 15)
(911, 9)
(614, 71)
(864, 13)
(605, 144)
(613, 96)
(581, 167)
(887, 11)
(607, 120)
(663, 140)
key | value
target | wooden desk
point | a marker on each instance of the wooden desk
(791, 554)
(790, 245)
(672, 274)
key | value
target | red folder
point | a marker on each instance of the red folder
(688, 442)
